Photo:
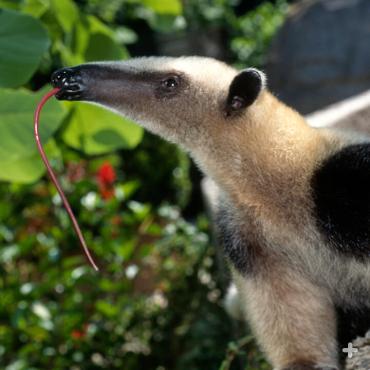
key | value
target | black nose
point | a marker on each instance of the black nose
(63, 77)
(70, 83)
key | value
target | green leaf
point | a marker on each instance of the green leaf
(35, 8)
(95, 130)
(19, 159)
(23, 41)
(92, 40)
(96, 26)
(103, 43)
(103, 47)
(172, 7)
(24, 170)
(66, 13)
(10, 4)
(81, 37)
(16, 122)
(27, 169)
(106, 308)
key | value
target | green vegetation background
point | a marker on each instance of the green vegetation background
(157, 304)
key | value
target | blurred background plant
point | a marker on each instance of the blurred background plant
(157, 304)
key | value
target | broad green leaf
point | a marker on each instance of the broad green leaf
(26, 169)
(16, 122)
(23, 41)
(172, 7)
(95, 130)
(19, 159)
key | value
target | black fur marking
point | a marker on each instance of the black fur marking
(243, 90)
(242, 253)
(341, 192)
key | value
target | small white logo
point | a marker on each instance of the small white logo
(350, 350)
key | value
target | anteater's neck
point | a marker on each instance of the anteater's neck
(268, 161)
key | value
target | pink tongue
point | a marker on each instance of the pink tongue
(54, 179)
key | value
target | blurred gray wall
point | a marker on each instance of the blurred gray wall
(322, 53)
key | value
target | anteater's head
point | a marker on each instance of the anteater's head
(191, 101)
(235, 130)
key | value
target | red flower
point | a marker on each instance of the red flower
(106, 174)
(77, 334)
(106, 178)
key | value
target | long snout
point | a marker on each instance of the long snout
(105, 83)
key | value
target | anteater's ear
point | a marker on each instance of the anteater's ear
(244, 89)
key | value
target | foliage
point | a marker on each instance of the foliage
(20, 161)
(157, 303)
(74, 38)
(250, 46)
(23, 41)
(94, 131)
(62, 313)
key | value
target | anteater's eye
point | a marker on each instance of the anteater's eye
(170, 83)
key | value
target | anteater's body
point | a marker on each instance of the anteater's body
(294, 213)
